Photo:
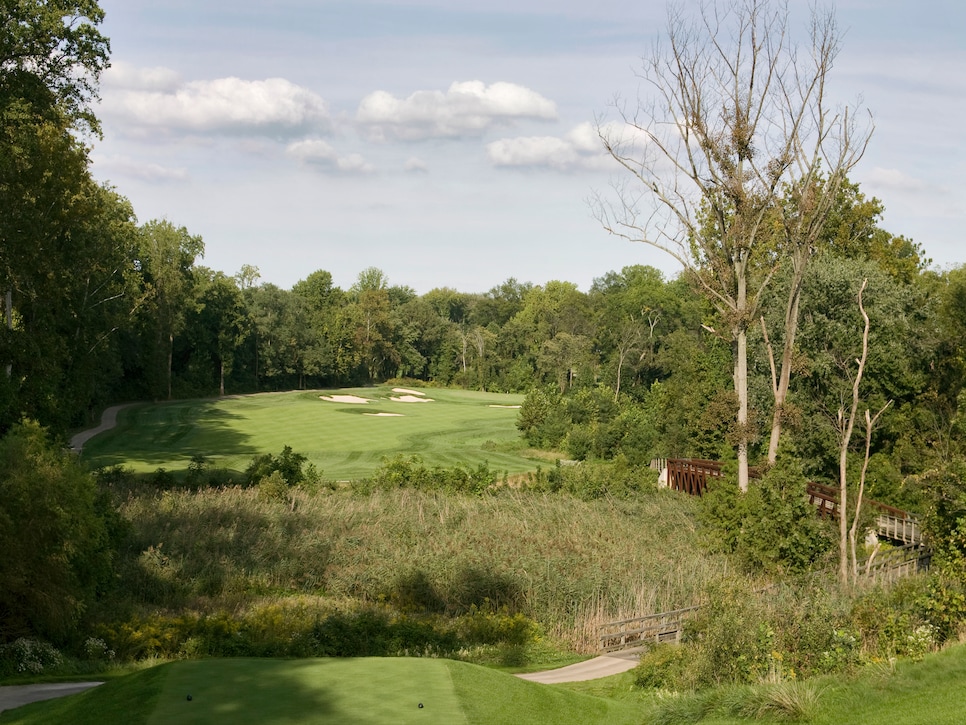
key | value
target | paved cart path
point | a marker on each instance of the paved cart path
(603, 666)
(12, 696)
(108, 421)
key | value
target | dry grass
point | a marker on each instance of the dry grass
(568, 564)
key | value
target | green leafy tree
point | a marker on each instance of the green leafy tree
(58, 537)
(166, 254)
(215, 329)
(65, 265)
(56, 42)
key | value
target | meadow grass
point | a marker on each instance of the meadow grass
(364, 691)
(567, 563)
(344, 441)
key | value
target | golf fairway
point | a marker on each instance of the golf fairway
(344, 440)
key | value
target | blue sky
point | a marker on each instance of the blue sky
(450, 143)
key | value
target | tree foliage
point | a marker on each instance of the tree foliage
(57, 534)
(57, 43)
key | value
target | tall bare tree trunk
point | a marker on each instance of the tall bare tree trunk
(170, 357)
(733, 127)
(9, 315)
(846, 425)
(870, 421)
(741, 366)
(788, 351)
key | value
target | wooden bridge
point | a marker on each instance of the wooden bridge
(691, 475)
(639, 631)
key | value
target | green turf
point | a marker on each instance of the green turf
(344, 443)
(932, 692)
(364, 691)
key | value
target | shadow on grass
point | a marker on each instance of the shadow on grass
(169, 434)
(245, 691)
(242, 692)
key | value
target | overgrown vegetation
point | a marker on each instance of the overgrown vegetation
(457, 559)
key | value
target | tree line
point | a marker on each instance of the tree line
(99, 308)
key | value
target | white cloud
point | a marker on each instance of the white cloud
(415, 164)
(533, 151)
(154, 100)
(129, 77)
(321, 155)
(465, 109)
(150, 172)
(580, 149)
(894, 179)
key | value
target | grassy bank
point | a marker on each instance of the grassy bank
(377, 690)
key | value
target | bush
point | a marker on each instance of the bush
(28, 656)
(289, 466)
(409, 472)
(483, 627)
(772, 528)
(729, 639)
(661, 667)
(58, 536)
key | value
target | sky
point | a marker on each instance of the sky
(452, 143)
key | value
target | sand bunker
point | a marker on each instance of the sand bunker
(410, 399)
(514, 407)
(384, 415)
(354, 399)
(405, 391)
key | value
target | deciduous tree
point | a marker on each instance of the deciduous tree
(735, 120)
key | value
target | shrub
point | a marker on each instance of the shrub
(289, 465)
(729, 639)
(484, 627)
(771, 528)
(661, 667)
(28, 656)
(400, 472)
(58, 537)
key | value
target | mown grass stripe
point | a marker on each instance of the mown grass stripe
(342, 445)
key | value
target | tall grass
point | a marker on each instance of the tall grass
(566, 563)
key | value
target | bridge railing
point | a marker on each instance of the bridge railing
(638, 631)
(897, 563)
(691, 475)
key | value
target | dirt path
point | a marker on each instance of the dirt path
(108, 421)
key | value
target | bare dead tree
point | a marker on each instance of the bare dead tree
(846, 424)
(870, 421)
(734, 132)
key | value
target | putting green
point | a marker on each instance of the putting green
(364, 691)
(343, 438)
